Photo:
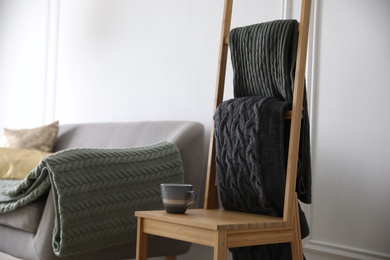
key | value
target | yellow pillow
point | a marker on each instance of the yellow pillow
(17, 163)
(40, 138)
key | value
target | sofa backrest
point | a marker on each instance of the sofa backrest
(187, 136)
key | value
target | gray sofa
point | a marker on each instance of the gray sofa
(26, 233)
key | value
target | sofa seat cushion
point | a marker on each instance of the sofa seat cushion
(25, 218)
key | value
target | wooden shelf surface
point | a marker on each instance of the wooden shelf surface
(215, 219)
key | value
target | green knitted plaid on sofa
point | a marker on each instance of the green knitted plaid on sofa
(96, 192)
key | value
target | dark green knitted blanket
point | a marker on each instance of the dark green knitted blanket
(263, 59)
(250, 141)
(96, 192)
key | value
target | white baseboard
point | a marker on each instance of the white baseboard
(342, 252)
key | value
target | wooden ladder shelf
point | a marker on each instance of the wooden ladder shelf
(223, 229)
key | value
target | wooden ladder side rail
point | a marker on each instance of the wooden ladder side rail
(296, 114)
(211, 193)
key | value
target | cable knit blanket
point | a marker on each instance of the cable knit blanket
(251, 132)
(263, 59)
(251, 152)
(96, 192)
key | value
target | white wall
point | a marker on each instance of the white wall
(351, 126)
(125, 60)
(22, 62)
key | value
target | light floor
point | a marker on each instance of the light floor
(196, 252)
(200, 252)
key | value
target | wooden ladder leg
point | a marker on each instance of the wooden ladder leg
(142, 241)
(220, 245)
(211, 193)
(296, 245)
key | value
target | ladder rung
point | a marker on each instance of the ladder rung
(226, 40)
(288, 114)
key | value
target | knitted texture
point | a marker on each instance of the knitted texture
(263, 59)
(251, 151)
(252, 134)
(250, 154)
(96, 192)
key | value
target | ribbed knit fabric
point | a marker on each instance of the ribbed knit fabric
(96, 192)
(263, 59)
(251, 132)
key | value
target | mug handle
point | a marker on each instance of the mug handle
(193, 197)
